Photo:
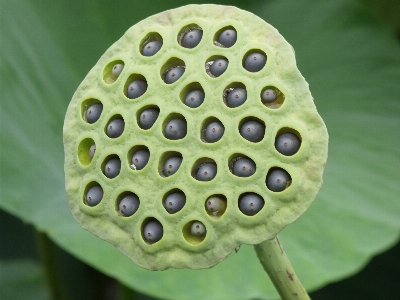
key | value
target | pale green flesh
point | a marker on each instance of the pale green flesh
(233, 228)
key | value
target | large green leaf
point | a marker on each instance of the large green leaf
(352, 65)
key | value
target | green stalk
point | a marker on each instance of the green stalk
(277, 265)
(49, 263)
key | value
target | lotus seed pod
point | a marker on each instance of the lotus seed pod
(140, 159)
(207, 172)
(175, 129)
(278, 180)
(269, 96)
(218, 67)
(174, 202)
(287, 143)
(194, 98)
(254, 62)
(112, 167)
(115, 128)
(129, 205)
(151, 237)
(250, 204)
(216, 204)
(153, 231)
(93, 113)
(227, 38)
(236, 97)
(198, 229)
(92, 150)
(94, 195)
(192, 38)
(148, 118)
(252, 131)
(244, 167)
(172, 165)
(174, 74)
(214, 132)
(136, 89)
(116, 70)
(151, 48)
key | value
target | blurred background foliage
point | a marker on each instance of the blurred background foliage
(33, 267)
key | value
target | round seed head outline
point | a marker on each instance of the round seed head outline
(148, 72)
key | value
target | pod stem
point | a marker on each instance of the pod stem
(277, 265)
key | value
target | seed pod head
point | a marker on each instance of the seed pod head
(252, 208)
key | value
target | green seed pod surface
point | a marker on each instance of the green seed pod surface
(293, 111)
